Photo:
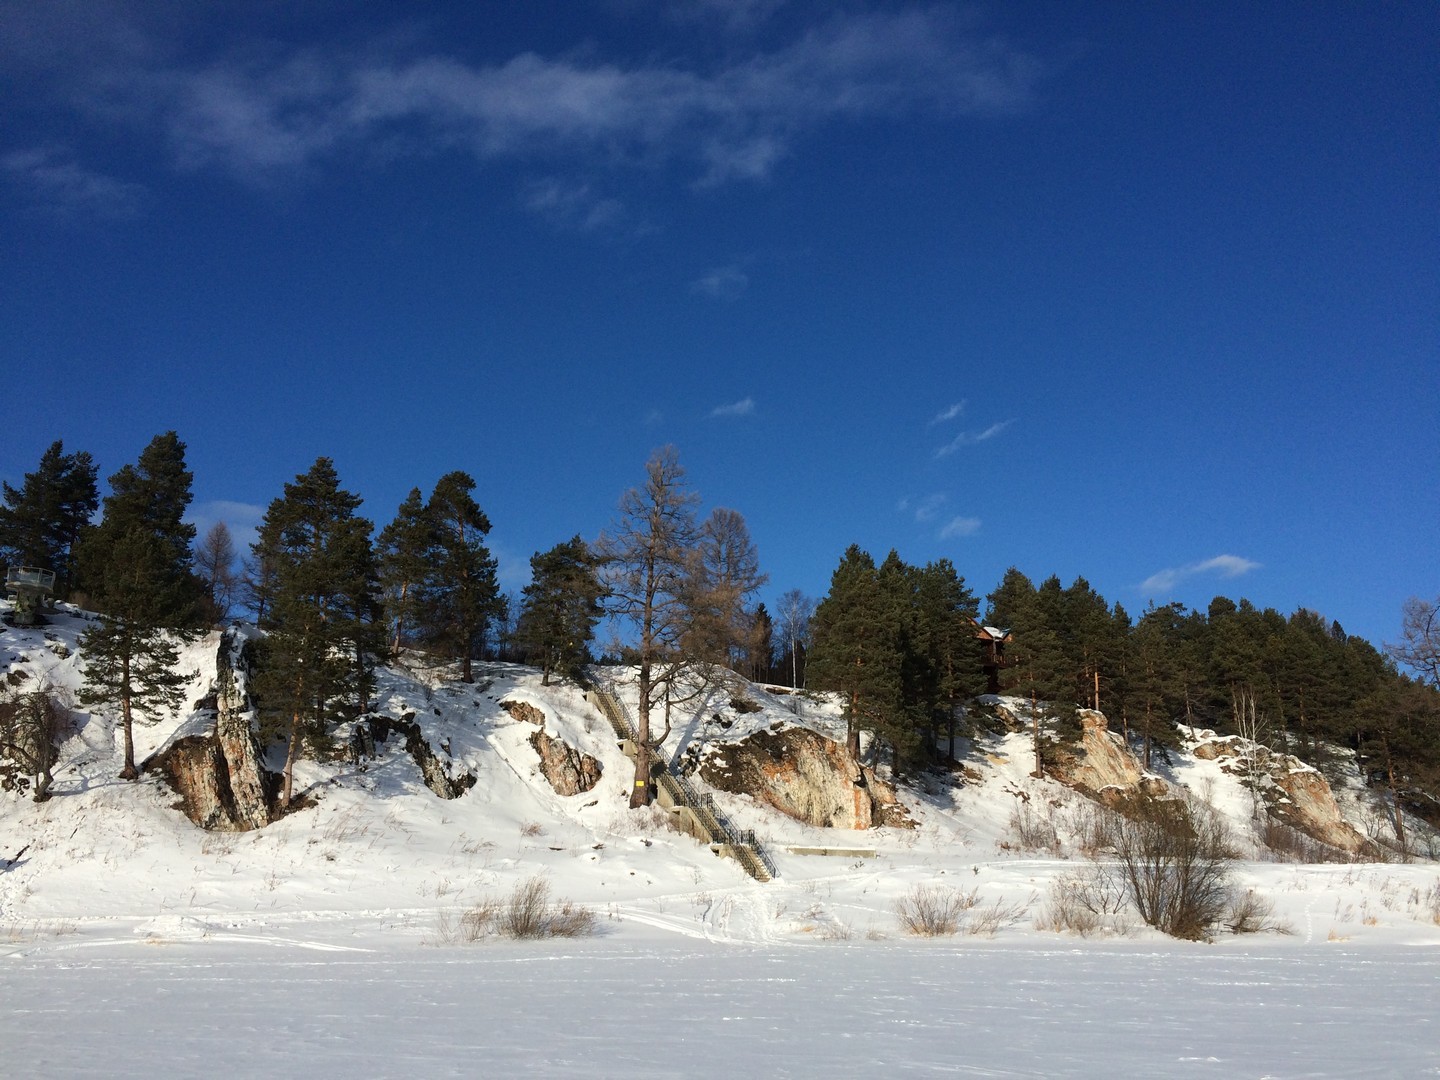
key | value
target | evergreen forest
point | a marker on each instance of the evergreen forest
(908, 648)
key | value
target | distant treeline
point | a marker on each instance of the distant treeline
(907, 647)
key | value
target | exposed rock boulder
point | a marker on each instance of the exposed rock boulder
(1309, 805)
(569, 771)
(195, 769)
(252, 786)
(221, 779)
(1290, 790)
(379, 728)
(1102, 767)
(805, 775)
(523, 710)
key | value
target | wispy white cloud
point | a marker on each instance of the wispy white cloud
(744, 407)
(572, 205)
(970, 438)
(1222, 566)
(923, 509)
(52, 178)
(960, 526)
(733, 15)
(722, 283)
(261, 110)
(948, 413)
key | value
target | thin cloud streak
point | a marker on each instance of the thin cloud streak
(726, 283)
(971, 438)
(946, 415)
(55, 181)
(291, 111)
(1222, 566)
(925, 509)
(745, 407)
(960, 526)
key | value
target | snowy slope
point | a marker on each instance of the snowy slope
(106, 859)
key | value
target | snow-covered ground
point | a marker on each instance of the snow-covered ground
(323, 944)
(637, 1003)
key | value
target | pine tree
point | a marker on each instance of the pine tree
(759, 646)
(1154, 678)
(403, 551)
(136, 565)
(43, 520)
(946, 611)
(312, 666)
(854, 649)
(461, 596)
(1042, 668)
(1092, 647)
(560, 608)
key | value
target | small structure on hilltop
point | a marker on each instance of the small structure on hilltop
(994, 641)
(27, 588)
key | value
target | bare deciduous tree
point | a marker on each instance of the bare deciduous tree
(1420, 649)
(215, 563)
(646, 565)
(30, 730)
(727, 575)
(795, 611)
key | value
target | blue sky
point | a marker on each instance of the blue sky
(1144, 293)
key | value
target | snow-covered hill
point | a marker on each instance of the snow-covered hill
(374, 848)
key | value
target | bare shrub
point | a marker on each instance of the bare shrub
(1031, 831)
(836, 930)
(570, 920)
(1432, 903)
(31, 728)
(532, 828)
(934, 910)
(1175, 861)
(1091, 902)
(527, 913)
(478, 921)
(1288, 844)
(984, 922)
(1092, 827)
(1251, 913)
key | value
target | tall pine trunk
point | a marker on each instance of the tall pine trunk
(291, 753)
(129, 772)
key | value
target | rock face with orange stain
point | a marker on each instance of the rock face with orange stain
(1103, 767)
(568, 770)
(805, 775)
(524, 711)
(1292, 791)
(221, 777)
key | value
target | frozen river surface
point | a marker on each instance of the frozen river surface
(617, 1006)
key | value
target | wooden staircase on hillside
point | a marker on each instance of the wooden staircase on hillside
(697, 812)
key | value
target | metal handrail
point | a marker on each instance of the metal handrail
(745, 845)
(31, 576)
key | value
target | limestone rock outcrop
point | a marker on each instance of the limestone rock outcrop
(567, 769)
(805, 775)
(1103, 767)
(221, 777)
(377, 729)
(524, 711)
(1291, 791)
